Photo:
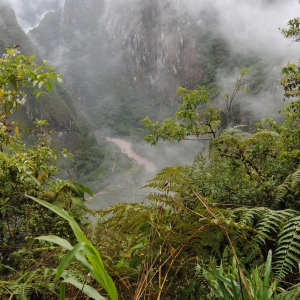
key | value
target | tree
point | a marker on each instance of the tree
(27, 268)
(241, 201)
(197, 118)
(293, 30)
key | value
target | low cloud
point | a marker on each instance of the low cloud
(30, 13)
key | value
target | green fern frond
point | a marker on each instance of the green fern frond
(267, 228)
(263, 134)
(157, 197)
(121, 209)
(256, 226)
(271, 222)
(198, 164)
(291, 183)
(291, 293)
(248, 216)
(40, 281)
(287, 252)
(295, 179)
(224, 141)
(237, 131)
(281, 191)
(168, 180)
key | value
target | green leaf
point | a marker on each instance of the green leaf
(65, 244)
(77, 231)
(266, 289)
(226, 294)
(48, 85)
(77, 201)
(88, 190)
(59, 203)
(96, 269)
(40, 84)
(57, 240)
(138, 246)
(88, 290)
(77, 189)
(67, 259)
(234, 290)
(62, 291)
(14, 82)
(145, 227)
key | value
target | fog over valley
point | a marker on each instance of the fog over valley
(150, 149)
(123, 60)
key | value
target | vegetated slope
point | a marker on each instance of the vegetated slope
(93, 158)
(58, 107)
(11, 32)
(125, 60)
(125, 65)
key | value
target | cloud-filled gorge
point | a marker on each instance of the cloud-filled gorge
(125, 59)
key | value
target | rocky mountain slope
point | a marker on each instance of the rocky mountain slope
(126, 60)
(11, 32)
(58, 108)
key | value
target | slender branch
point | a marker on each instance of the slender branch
(230, 243)
(84, 283)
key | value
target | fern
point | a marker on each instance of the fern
(295, 179)
(268, 228)
(168, 180)
(247, 216)
(262, 135)
(252, 227)
(200, 285)
(32, 282)
(292, 182)
(292, 293)
(271, 222)
(287, 252)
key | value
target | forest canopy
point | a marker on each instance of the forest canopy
(225, 227)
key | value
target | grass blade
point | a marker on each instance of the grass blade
(96, 266)
(88, 290)
(265, 294)
(57, 240)
(67, 259)
(62, 291)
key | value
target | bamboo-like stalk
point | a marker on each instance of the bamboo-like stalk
(241, 273)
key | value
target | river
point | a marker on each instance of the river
(126, 148)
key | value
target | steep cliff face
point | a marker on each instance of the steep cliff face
(29, 13)
(11, 32)
(154, 43)
(125, 59)
(58, 108)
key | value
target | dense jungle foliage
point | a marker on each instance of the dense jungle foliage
(226, 227)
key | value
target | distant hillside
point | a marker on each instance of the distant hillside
(126, 59)
(11, 32)
(124, 62)
(59, 108)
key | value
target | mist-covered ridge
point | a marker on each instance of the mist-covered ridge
(126, 59)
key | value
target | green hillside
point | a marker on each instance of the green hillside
(125, 66)
(60, 107)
